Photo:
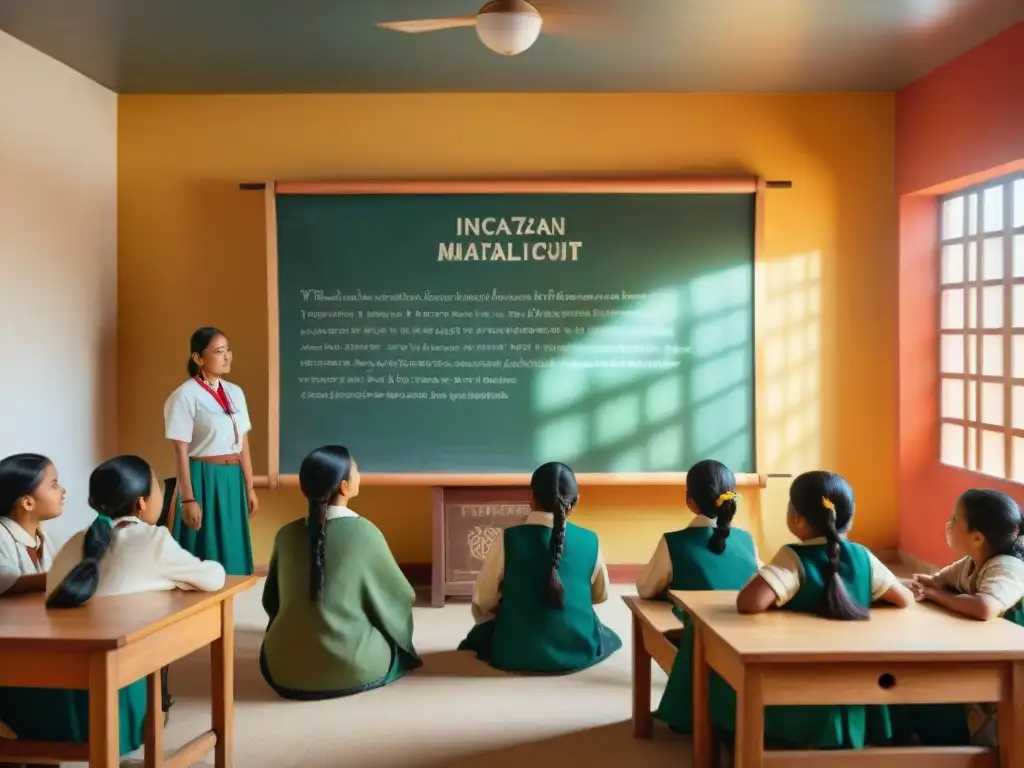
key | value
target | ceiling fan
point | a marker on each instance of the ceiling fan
(508, 27)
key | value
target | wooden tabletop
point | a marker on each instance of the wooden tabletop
(104, 622)
(922, 632)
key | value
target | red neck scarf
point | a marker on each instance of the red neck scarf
(223, 401)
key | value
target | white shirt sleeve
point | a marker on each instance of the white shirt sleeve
(783, 574)
(599, 581)
(657, 575)
(10, 568)
(182, 567)
(179, 417)
(241, 410)
(882, 579)
(487, 590)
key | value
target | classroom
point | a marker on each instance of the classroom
(845, 185)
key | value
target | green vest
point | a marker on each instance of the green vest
(530, 634)
(359, 635)
(839, 726)
(697, 568)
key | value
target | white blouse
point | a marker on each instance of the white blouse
(15, 546)
(192, 415)
(141, 558)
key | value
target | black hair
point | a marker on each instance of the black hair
(197, 345)
(825, 501)
(115, 487)
(20, 475)
(996, 517)
(555, 490)
(320, 474)
(711, 486)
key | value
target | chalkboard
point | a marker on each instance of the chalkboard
(488, 333)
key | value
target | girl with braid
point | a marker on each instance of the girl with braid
(986, 583)
(708, 554)
(836, 579)
(123, 552)
(534, 598)
(340, 608)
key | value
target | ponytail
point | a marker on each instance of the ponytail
(556, 590)
(193, 368)
(82, 581)
(726, 504)
(316, 528)
(837, 604)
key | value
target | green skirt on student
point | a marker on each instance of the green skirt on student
(224, 533)
(54, 714)
(676, 708)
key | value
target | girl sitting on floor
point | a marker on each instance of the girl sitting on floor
(534, 598)
(708, 554)
(986, 583)
(340, 608)
(123, 552)
(834, 578)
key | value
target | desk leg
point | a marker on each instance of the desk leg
(222, 652)
(643, 721)
(749, 750)
(104, 748)
(154, 757)
(703, 729)
(1011, 720)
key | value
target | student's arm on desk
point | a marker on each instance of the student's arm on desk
(185, 569)
(1000, 587)
(774, 585)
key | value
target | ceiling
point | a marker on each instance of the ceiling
(282, 46)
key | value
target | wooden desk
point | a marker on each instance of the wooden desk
(918, 655)
(109, 643)
(654, 628)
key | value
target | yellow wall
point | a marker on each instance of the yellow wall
(191, 252)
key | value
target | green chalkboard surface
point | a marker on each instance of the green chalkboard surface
(488, 333)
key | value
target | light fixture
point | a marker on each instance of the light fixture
(508, 27)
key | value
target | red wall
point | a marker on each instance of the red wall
(960, 124)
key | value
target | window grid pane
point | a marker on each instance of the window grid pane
(981, 314)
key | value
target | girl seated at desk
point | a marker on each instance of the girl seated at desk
(340, 608)
(834, 578)
(123, 552)
(534, 598)
(986, 583)
(708, 554)
(30, 493)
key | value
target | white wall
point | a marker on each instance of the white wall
(58, 269)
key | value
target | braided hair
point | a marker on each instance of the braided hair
(115, 487)
(320, 476)
(825, 501)
(996, 517)
(554, 490)
(711, 488)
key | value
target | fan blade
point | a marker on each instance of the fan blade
(428, 25)
(581, 18)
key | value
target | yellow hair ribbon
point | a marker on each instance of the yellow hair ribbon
(727, 496)
(826, 502)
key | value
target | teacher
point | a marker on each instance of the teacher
(207, 422)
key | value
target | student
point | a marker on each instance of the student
(207, 421)
(986, 583)
(834, 578)
(30, 493)
(708, 554)
(534, 598)
(122, 552)
(340, 608)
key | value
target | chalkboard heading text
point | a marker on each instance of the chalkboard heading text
(524, 250)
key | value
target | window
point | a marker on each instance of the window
(981, 317)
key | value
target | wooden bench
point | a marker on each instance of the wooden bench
(654, 629)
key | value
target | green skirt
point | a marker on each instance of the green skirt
(54, 714)
(224, 533)
(480, 641)
(930, 725)
(676, 708)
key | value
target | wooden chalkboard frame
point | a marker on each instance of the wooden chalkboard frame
(655, 185)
